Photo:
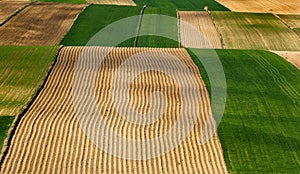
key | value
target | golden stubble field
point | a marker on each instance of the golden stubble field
(40, 24)
(49, 137)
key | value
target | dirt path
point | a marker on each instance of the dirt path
(291, 56)
(115, 2)
(49, 137)
(39, 24)
(7, 8)
(203, 23)
(263, 6)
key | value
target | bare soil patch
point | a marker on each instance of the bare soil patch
(291, 56)
(51, 127)
(263, 6)
(115, 2)
(203, 23)
(39, 24)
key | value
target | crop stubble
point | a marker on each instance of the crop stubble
(50, 126)
(39, 24)
(115, 2)
(203, 23)
(263, 6)
(7, 8)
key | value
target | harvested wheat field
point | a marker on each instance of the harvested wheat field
(40, 24)
(255, 31)
(115, 2)
(263, 6)
(8, 8)
(292, 20)
(53, 129)
(203, 23)
(291, 56)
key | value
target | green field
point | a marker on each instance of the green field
(66, 1)
(255, 31)
(22, 70)
(182, 4)
(259, 131)
(96, 17)
(158, 26)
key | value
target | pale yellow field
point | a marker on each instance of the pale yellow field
(263, 6)
(292, 20)
(115, 2)
(49, 138)
(203, 23)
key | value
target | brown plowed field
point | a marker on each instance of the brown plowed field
(49, 138)
(263, 6)
(7, 8)
(115, 2)
(39, 24)
(291, 56)
(202, 23)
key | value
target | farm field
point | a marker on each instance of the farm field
(255, 31)
(292, 20)
(182, 4)
(88, 23)
(8, 8)
(20, 79)
(263, 6)
(291, 56)
(32, 25)
(118, 2)
(203, 23)
(261, 119)
(152, 27)
(66, 1)
(64, 146)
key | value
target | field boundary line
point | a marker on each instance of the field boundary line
(16, 13)
(138, 30)
(286, 24)
(75, 20)
(178, 28)
(217, 28)
(18, 118)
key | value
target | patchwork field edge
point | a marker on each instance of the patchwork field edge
(15, 13)
(18, 117)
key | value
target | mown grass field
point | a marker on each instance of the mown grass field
(255, 31)
(93, 19)
(182, 4)
(158, 26)
(22, 70)
(259, 131)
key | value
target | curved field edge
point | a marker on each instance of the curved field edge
(23, 71)
(259, 131)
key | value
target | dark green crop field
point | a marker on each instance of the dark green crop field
(183, 4)
(96, 17)
(259, 131)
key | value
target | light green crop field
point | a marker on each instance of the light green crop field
(96, 17)
(158, 26)
(259, 131)
(183, 4)
(255, 31)
(23, 69)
